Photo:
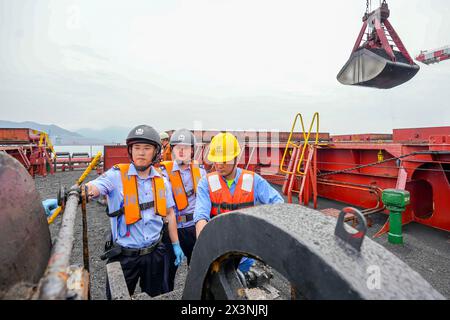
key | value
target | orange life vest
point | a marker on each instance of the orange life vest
(179, 192)
(221, 199)
(131, 206)
(167, 153)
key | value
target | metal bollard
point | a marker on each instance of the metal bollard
(396, 202)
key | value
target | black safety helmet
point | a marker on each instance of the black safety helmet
(144, 134)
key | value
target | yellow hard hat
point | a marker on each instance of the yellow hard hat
(224, 147)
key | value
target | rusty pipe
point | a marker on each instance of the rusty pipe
(362, 187)
(54, 283)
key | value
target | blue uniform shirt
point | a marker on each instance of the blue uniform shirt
(264, 193)
(186, 177)
(147, 230)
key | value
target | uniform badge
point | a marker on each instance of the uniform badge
(139, 132)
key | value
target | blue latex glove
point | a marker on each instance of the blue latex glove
(50, 206)
(178, 253)
(246, 264)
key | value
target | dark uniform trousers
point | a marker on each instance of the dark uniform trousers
(148, 269)
(187, 237)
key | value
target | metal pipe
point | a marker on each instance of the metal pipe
(361, 187)
(53, 284)
(85, 237)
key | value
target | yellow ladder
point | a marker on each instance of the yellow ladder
(306, 136)
(307, 176)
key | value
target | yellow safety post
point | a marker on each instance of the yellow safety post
(91, 166)
(54, 215)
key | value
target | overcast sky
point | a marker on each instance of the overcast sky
(211, 64)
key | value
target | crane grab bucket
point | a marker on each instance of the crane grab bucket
(376, 63)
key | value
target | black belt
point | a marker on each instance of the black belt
(139, 252)
(117, 250)
(130, 252)
(232, 206)
(142, 251)
(142, 207)
(185, 218)
(113, 250)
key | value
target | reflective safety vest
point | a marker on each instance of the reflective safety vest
(179, 192)
(221, 199)
(131, 206)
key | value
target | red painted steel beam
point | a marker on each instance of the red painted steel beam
(361, 137)
(17, 136)
(205, 136)
(419, 134)
(360, 37)
(398, 42)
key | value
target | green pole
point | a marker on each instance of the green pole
(395, 235)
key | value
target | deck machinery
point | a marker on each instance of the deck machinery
(30, 147)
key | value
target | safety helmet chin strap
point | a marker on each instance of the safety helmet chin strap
(141, 168)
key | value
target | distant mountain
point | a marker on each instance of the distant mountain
(58, 135)
(112, 135)
(50, 129)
